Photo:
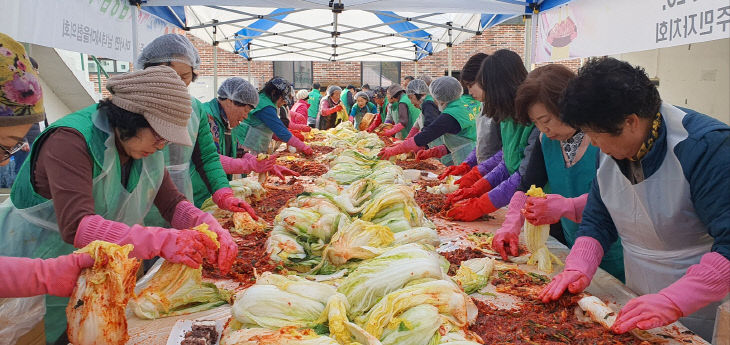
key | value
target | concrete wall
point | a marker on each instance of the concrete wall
(695, 76)
(55, 107)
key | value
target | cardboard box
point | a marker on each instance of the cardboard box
(722, 325)
(36, 336)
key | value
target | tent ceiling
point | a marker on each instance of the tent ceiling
(302, 30)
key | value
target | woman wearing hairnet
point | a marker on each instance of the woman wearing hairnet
(257, 130)
(95, 176)
(361, 107)
(499, 77)
(417, 91)
(402, 113)
(328, 108)
(455, 123)
(661, 189)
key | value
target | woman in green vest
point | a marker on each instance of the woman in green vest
(569, 169)
(256, 131)
(381, 104)
(314, 97)
(402, 113)
(417, 91)
(362, 106)
(499, 77)
(200, 162)
(95, 176)
(455, 124)
(347, 97)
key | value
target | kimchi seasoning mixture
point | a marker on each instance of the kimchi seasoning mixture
(321, 149)
(455, 257)
(251, 256)
(419, 165)
(431, 204)
(268, 207)
(306, 167)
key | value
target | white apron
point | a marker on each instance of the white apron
(661, 233)
(179, 157)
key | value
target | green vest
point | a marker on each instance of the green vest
(514, 142)
(360, 112)
(413, 114)
(255, 135)
(573, 182)
(428, 98)
(343, 99)
(383, 111)
(314, 97)
(461, 144)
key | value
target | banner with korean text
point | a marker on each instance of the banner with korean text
(583, 28)
(98, 27)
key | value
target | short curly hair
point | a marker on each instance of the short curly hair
(605, 93)
(544, 85)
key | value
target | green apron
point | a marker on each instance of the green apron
(257, 136)
(573, 182)
(314, 97)
(460, 144)
(29, 226)
(413, 114)
(343, 99)
(514, 142)
(384, 111)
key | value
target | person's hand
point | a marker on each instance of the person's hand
(228, 249)
(504, 240)
(646, 312)
(393, 131)
(573, 281)
(60, 274)
(307, 150)
(508, 234)
(547, 210)
(471, 209)
(300, 145)
(408, 145)
(352, 119)
(338, 107)
(469, 179)
(25, 277)
(187, 247)
(437, 152)
(263, 165)
(281, 171)
(455, 170)
(477, 189)
(297, 134)
(225, 199)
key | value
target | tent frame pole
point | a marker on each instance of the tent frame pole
(215, 60)
(135, 35)
(449, 46)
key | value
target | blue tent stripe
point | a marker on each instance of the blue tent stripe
(487, 22)
(425, 47)
(548, 4)
(262, 24)
(167, 15)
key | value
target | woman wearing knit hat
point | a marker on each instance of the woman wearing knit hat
(402, 112)
(263, 122)
(95, 177)
(361, 107)
(299, 112)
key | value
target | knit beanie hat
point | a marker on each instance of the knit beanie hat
(21, 97)
(302, 94)
(394, 89)
(158, 94)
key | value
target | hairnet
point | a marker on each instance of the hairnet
(169, 48)
(239, 90)
(379, 92)
(302, 94)
(362, 94)
(332, 89)
(425, 78)
(446, 89)
(417, 87)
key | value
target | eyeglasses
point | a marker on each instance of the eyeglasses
(10, 151)
(159, 139)
(239, 104)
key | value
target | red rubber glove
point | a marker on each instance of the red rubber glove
(245, 164)
(338, 107)
(225, 199)
(580, 266)
(471, 209)
(178, 246)
(188, 216)
(470, 178)
(297, 134)
(437, 152)
(509, 234)
(25, 277)
(455, 170)
(375, 123)
(414, 130)
(704, 283)
(300, 145)
(476, 190)
(396, 149)
(552, 207)
(393, 131)
(281, 171)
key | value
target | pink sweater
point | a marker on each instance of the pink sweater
(299, 112)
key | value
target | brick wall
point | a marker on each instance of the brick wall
(339, 72)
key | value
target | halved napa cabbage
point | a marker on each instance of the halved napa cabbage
(416, 326)
(473, 274)
(359, 240)
(291, 335)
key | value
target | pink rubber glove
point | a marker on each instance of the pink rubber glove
(375, 123)
(300, 145)
(470, 178)
(455, 170)
(179, 246)
(708, 281)
(551, 208)
(226, 200)
(580, 266)
(246, 164)
(299, 127)
(188, 216)
(509, 234)
(352, 119)
(413, 132)
(281, 171)
(25, 277)
(408, 145)
(393, 131)
(437, 152)
(476, 190)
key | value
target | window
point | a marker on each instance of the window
(110, 66)
(380, 73)
(297, 72)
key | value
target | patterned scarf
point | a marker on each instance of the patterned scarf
(647, 145)
(570, 146)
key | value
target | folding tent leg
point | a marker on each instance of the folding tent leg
(215, 62)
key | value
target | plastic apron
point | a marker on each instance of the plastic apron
(661, 233)
(33, 231)
(459, 148)
(483, 124)
(257, 135)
